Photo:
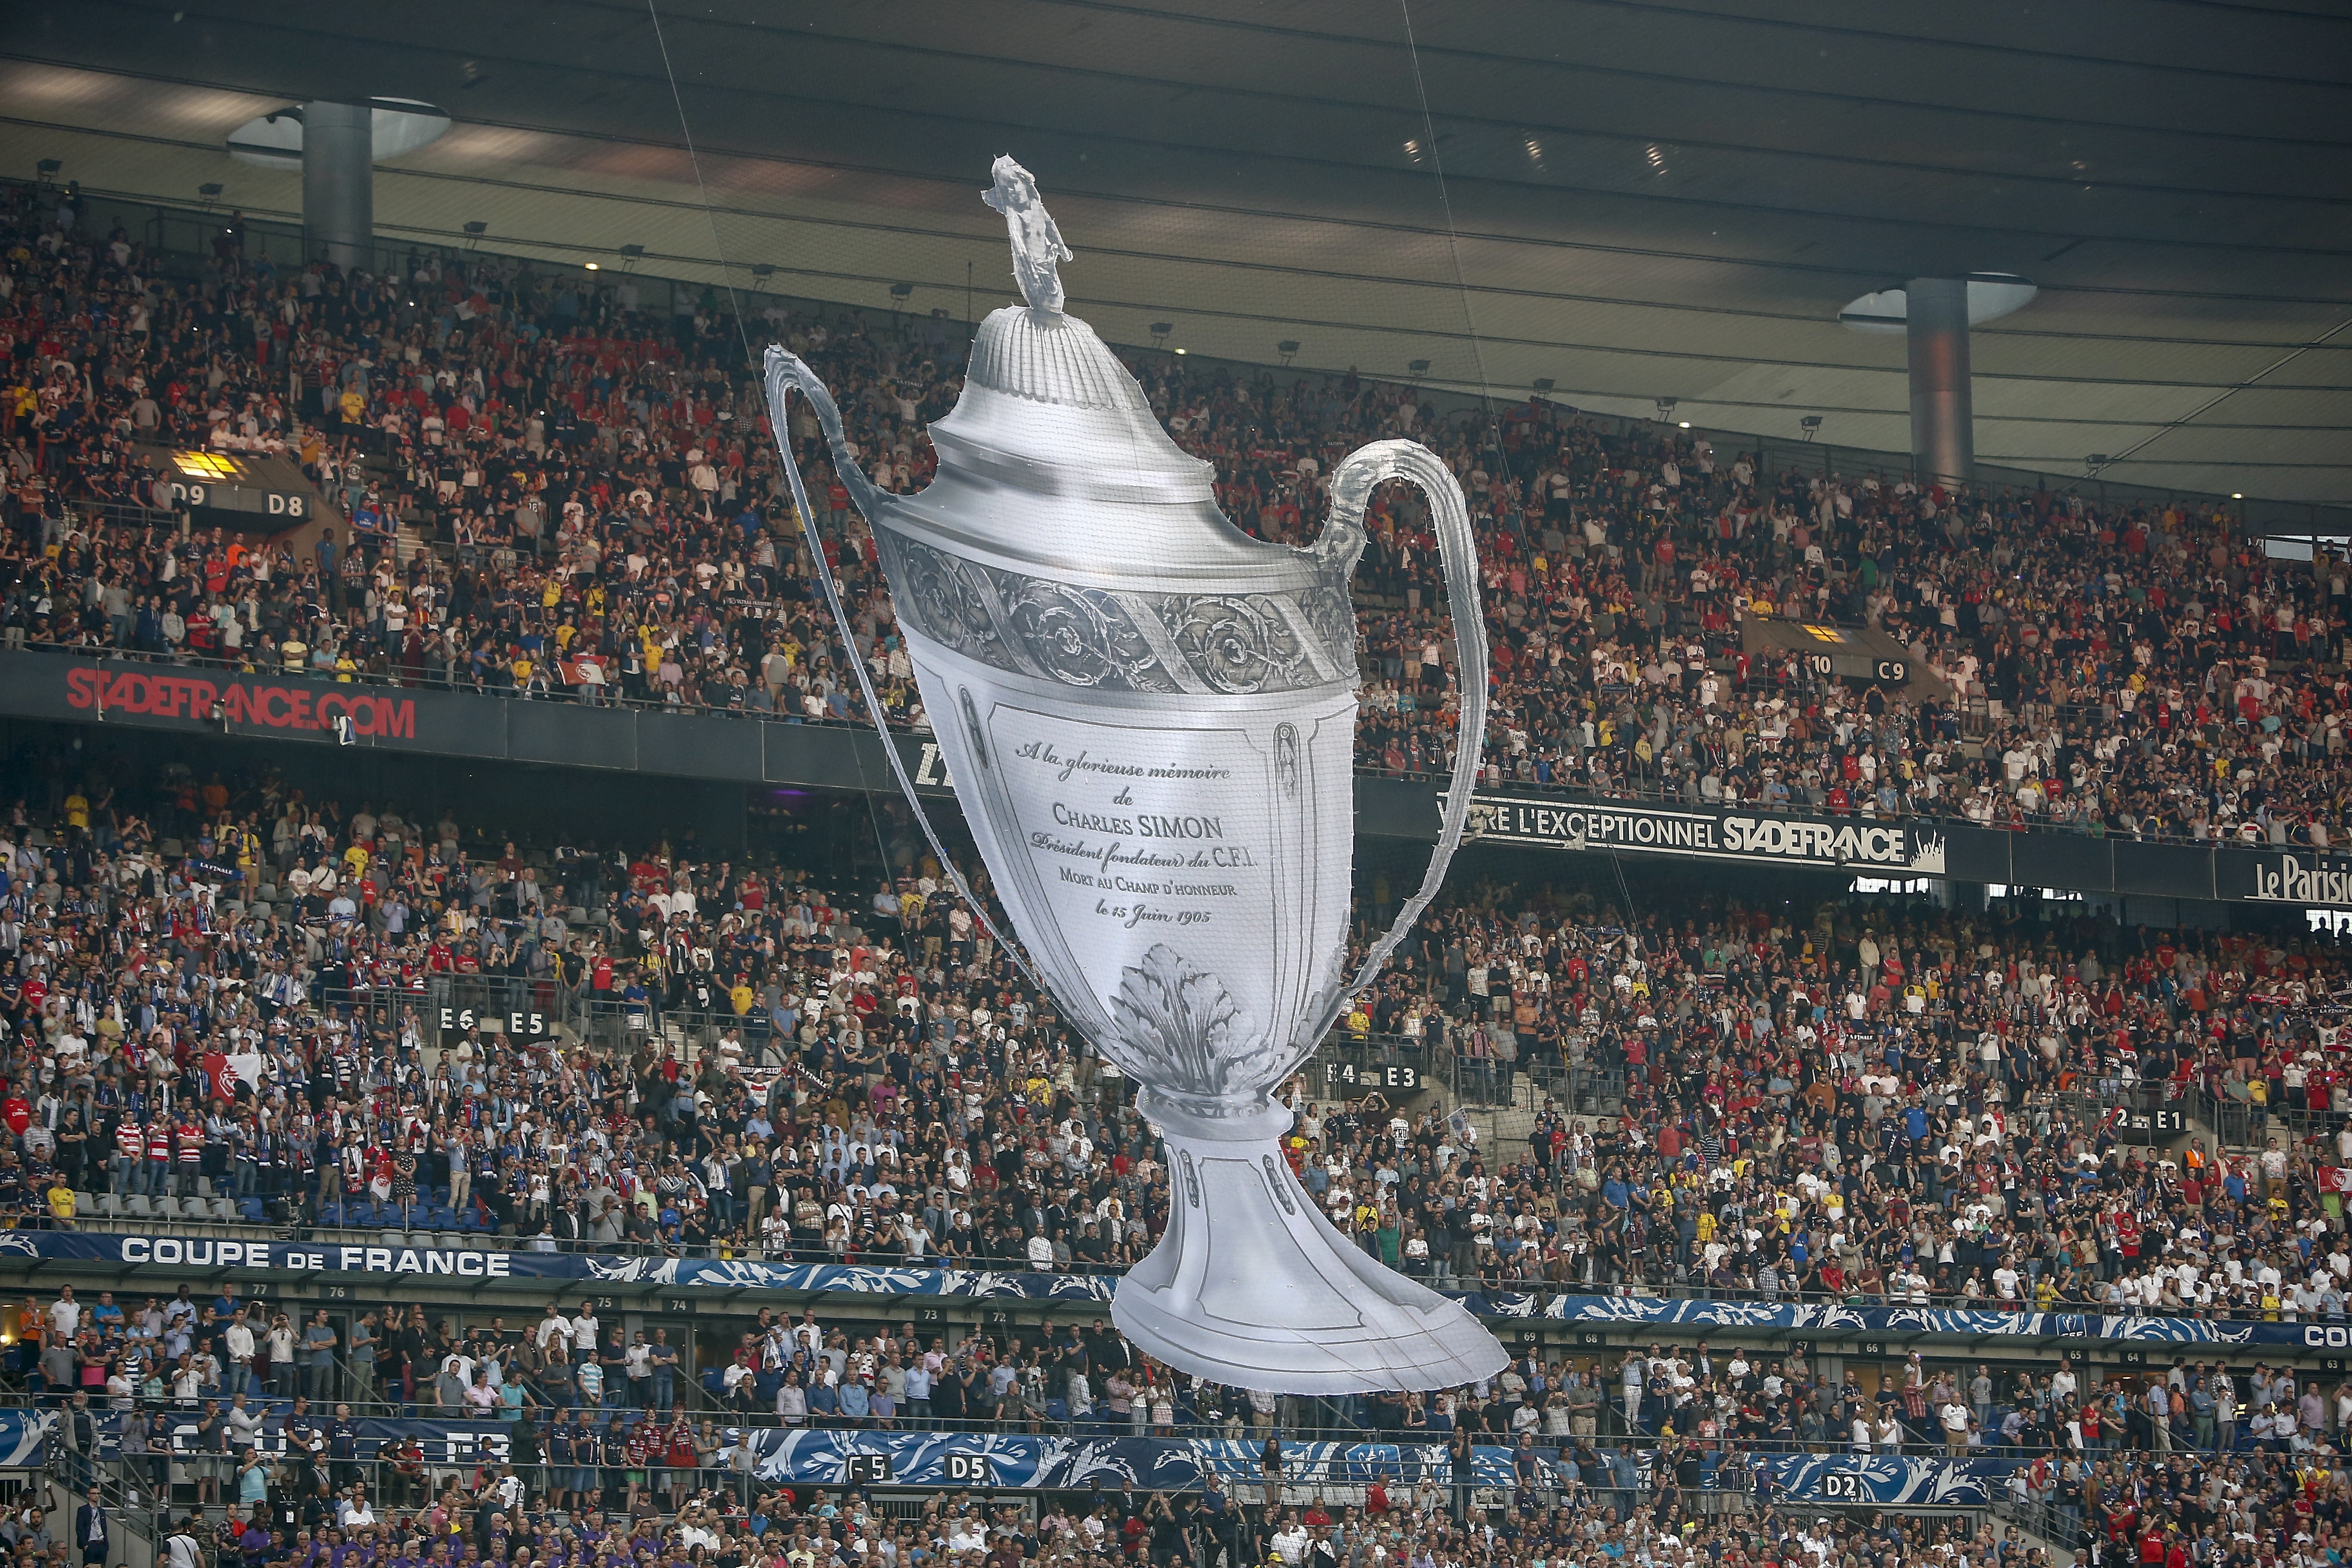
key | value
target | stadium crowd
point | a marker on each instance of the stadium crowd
(693, 1496)
(552, 492)
(1888, 1102)
(1894, 1102)
(781, 1528)
(134, 978)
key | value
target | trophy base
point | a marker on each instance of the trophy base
(1252, 1287)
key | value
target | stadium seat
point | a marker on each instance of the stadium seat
(84, 1203)
(167, 1207)
(224, 1210)
(109, 1207)
(138, 1208)
(253, 1212)
(203, 1186)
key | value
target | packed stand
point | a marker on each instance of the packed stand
(552, 492)
(1875, 1103)
(1896, 1107)
(2151, 1474)
(1867, 1104)
(497, 1517)
(246, 1020)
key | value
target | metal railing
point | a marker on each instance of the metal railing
(2247, 1124)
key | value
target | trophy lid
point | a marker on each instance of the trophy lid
(1053, 460)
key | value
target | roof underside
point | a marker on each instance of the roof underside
(1635, 200)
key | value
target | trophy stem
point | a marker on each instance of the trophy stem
(1251, 1286)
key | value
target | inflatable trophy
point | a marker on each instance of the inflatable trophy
(1149, 717)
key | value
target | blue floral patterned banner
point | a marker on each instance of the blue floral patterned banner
(1808, 1321)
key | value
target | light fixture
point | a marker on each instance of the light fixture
(592, 266)
(1809, 424)
(900, 290)
(1665, 408)
(48, 167)
(1543, 384)
(477, 226)
(2237, 495)
(2098, 460)
(210, 190)
(1160, 331)
(763, 269)
(1287, 348)
(1418, 367)
(1180, 350)
(633, 252)
(1686, 424)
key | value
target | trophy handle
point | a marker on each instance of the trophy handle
(1342, 542)
(786, 373)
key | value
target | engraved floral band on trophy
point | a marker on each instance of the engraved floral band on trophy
(1150, 721)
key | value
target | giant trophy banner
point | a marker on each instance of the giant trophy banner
(1150, 721)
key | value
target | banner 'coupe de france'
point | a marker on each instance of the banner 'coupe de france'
(1150, 719)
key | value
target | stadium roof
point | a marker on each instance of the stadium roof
(1639, 200)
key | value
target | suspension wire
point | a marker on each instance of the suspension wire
(784, 439)
(694, 159)
(1445, 203)
(1470, 750)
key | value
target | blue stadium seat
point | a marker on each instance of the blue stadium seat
(253, 1212)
